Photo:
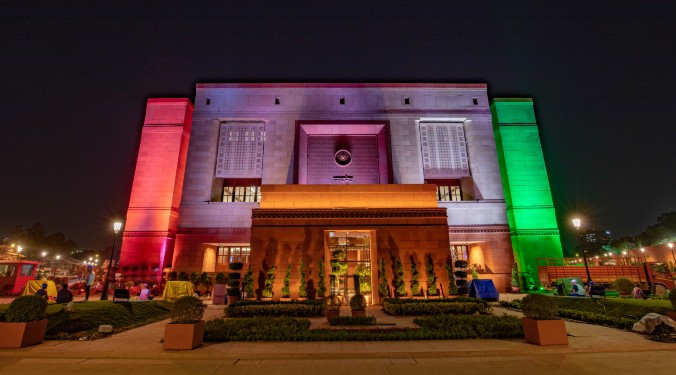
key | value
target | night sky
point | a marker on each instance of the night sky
(74, 82)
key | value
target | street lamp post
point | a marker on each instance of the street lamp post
(645, 269)
(19, 248)
(577, 223)
(104, 293)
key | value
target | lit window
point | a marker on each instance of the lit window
(231, 254)
(241, 190)
(448, 193)
(459, 252)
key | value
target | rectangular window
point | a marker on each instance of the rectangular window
(231, 254)
(241, 190)
(459, 252)
(447, 190)
(27, 269)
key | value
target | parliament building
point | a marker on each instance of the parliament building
(411, 176)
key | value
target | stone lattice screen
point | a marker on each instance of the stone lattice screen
(322, 166)
(444, 150)
(240, 150)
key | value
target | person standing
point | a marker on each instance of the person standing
(90, 276)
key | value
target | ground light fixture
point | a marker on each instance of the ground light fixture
(104, 293)
(577, 223)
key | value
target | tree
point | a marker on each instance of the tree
(383, 289)
(286, 292)
(432, 289)
(321, 287)
(302, 289)
(398, 282)
(662, 231)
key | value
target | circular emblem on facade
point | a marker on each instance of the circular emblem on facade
(343, 158)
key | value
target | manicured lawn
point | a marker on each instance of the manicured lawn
(87, 316)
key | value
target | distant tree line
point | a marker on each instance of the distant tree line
(35, 239)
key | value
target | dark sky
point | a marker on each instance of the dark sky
(74, 81)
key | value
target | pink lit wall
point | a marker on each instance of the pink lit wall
(152, 216)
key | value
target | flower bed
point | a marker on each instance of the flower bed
(460, 306)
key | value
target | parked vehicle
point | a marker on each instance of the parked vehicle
(14, 274)
(653, 276)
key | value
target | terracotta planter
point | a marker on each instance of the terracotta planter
(516, 289)
(18, 335)
(358, 312)
(332, 314)
(218, 295)
(671, 314)
(232, 299)
(545, 332)
(183, 336)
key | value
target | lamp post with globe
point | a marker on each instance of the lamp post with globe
(106, 285)
(577, 223)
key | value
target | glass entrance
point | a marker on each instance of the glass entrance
(349, 254)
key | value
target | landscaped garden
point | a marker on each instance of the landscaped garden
(84, 320)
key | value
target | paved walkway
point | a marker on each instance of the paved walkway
(592, 350)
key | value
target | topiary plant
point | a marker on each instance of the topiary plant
(515, 276)
(220, 278)
(382, 279)
(539, 307)
(187, 310)
(398, 282)
(321, 283)
(452, 288)
(182, 276)
(286, 290)
(358, 301)
(432, 289)
(332, 302)
(623, 285)
(26, 309)
(475, 274)
(249, 283)
(302, 289)
(415, 284)
(269, 282)
(672, 298)
(236, 266)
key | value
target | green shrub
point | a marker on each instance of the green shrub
(432, 289)
(515, 276)
(352, 321)
(269, 281)
(233, 292)
(432, 328)
(187, 310)
(26, 309)
(321, 283)
(457, 306)
(236, 266)
(234, 276)
(302, 289)
(475, 274)
(332, 302)
(539, 307)
(182, 276)
(220, 278)
(398, 282)
(460, 274)
(382, 279)
(452, 288)
(286, 290)
(672, 298)
(249, 283)
(233, 283)
(274, 310)
(461, 264)
(623, 285)
(601, 319)
(415, 284)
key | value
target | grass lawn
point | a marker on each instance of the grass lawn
(87, 316)
(619, 307)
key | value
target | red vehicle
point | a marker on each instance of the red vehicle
(14, 274)
(659, 280)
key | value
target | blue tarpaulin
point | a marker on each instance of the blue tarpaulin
(484, 289)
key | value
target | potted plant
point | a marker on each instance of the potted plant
(234, 284)
(218, 297)
(461, 277)
(416, 291)
(358, 301)
(186, 329)
(516, 285)
(383, 284)
(452, 288)
(25, 322)
(672, 299)
(321, 284)
(541, 325)
(302, 288)
(332, 306)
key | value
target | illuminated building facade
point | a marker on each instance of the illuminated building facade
(276, 175)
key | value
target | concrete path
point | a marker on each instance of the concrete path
(592, 350)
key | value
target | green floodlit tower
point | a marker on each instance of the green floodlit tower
(530, 210)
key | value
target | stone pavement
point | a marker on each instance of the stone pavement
(592, 350)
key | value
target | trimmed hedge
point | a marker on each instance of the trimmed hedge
(26, 309)
(433, 328)
(352, 321)
(245, 309)
(460, 306)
